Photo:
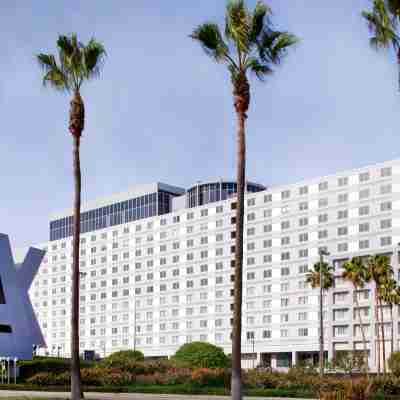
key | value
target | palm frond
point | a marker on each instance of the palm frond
(53, 75)
(260, 18)
(238, 24)
(64, 43)
(210, 39)
(46, 61)
(93, 58)
(277, 45)
(382, 27)
(56, 79)
(259, 69)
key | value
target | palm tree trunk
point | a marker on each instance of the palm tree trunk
(76, 386)
(362, 333)
(391, 328)
(383, 339)
(378, 345)
(241, 94)
(237, 318)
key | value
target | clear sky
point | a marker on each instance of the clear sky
(162, 111)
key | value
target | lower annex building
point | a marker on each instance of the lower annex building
(156, 266)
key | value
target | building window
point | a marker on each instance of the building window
(386, 241)
(303, 190)
(364, 177)
(364, 227)
(323, 186)
(322, 218)
(364, 194)
(364, 210)
(386, 223)
(386, 206)
(386, 171)
(267, 198)
(303, 332)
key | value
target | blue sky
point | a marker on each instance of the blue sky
(162, 111)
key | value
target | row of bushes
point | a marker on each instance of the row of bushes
(191, 355)
(297, 380)
(201, 365)
(118, 377)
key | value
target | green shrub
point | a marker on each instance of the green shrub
(201, 355)
(394, 363)
(128, 360)
(126, 355)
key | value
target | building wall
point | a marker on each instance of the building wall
(166, 280)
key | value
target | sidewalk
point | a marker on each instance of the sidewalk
(10, 394)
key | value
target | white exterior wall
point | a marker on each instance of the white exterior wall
(125, 267)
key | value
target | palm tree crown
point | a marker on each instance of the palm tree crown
(249, 43)
(313, 276)
(383, 22)
(379, 269)
(355, 272)
(76, 63)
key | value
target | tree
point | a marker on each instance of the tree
(390, 294)
(379, 270)
(250, 45)
(314, 279)
(383, 22)
(356, 273)
(76, 64)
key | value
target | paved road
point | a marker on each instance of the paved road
(9, 394)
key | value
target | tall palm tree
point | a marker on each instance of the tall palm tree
(389, 294)
(250, 44)
(76, 64)
(379, 270)
(314, 279)
(356, 272)
(383, 23)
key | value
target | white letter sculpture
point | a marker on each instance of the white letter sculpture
(19, 328)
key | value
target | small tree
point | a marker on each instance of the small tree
(201, 354)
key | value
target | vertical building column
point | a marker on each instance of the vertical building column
(294, 358)
(273, 361)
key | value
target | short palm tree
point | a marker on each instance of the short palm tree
(249, 45)
(314, 279)
(383, 22)
(379, 270)
(76, 64)
(357, 274)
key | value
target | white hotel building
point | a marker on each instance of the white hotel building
(156, 267)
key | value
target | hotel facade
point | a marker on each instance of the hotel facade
(157, 267)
